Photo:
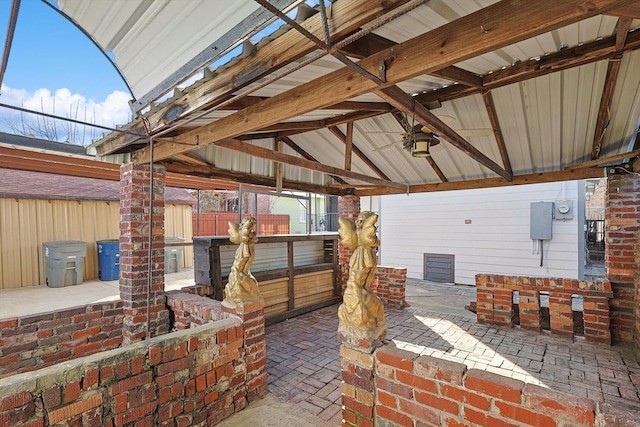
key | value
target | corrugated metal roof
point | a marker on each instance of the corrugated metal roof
(547, 122)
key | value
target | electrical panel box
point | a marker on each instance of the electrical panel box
(541, 224)
(563, 210)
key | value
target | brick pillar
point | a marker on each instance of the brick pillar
(135, 201)
(503, 307)
(348, 207)
(484, 299)
(596, 319)
(621, 221)
(561, 313)
(530, 310)
(358, 388)
(390, 286)
(255, 346)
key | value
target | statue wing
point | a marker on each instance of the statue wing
(347, 232)
(234, 233)
(368, 235)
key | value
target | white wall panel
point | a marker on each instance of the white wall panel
(497, 239)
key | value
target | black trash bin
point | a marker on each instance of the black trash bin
(64, 262)
(108, 259)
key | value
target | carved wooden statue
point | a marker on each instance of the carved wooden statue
(362, 312)
(242, 286)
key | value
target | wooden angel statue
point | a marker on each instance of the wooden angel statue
(361, 313)
(242, 286)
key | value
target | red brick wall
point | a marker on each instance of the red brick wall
(400, 388)
(495, 303)
(32, 342)
(390, 285)
(622, 215)
(190, 309)
(192, 377)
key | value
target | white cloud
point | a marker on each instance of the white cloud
(113, 110)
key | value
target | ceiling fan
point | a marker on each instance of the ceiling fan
(420, 140)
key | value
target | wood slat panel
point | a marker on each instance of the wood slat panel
(313, 287)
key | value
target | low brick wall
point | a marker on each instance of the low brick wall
(401, 388)
(36, 341)
(390, 286)
(191, 377)
(190, 309)
(495, 303)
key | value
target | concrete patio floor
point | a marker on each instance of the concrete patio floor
(303, 352)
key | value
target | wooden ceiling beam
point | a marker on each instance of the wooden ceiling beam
(246, 178)
(348, 146)
(534, 178)
(347, 16)
(436, 169)
(342, 137)
(630, 11)
(35, 161)
(554, 62)
(502, 24)
(373, 43)
(497, 132)
(406, 104)
(254, 150)
(307, 156)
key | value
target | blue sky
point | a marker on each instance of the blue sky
(53, 67)
(48, 51)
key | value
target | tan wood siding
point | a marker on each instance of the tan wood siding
(26, 223)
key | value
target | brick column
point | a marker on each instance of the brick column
(251, 313)
(348, 207)
(530, 310)
(484, 299)
(390, 286)
(358, 387)
(596, 319)
(621, 221)
(503, 307)
(561, 313)
(135, 202)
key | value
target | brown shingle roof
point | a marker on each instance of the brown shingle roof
(37, 185)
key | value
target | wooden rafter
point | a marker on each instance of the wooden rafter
(534, 178)
(613, 69)
(342, 137)
(503, 24)
(346, 16)
(265, 153)
(348, 146)
(436, 169)
(405, 103)
(554, 62)
(278, 167)
(497, 132)
(372, 43)
(245, 178)
(295, 147)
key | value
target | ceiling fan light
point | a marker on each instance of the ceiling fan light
(420, 148)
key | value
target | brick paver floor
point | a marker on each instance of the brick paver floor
(304, 363)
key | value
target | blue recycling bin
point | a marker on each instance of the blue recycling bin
(108, 259)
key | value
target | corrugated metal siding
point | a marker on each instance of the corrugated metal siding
(26, 224)
(625, 107)
(497, 240)
(142, 35)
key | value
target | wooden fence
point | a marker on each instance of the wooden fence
(217, 223)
